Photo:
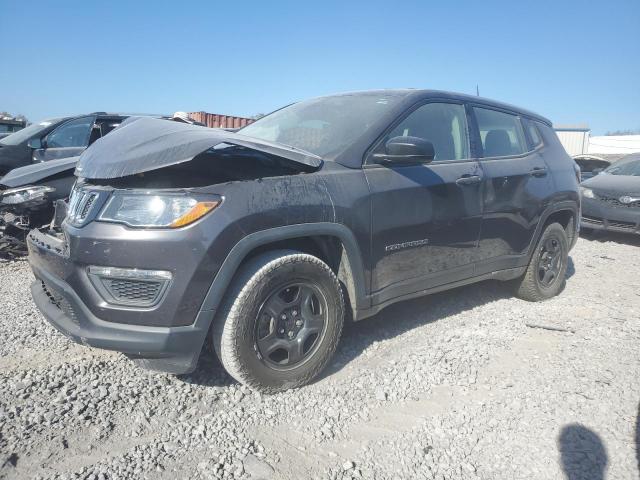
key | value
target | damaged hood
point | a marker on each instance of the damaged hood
(32, 174)
(141, 144)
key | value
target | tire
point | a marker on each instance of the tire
(248, 320)
(531, 286)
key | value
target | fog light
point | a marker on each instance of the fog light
(129, 286)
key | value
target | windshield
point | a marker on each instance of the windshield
(323, 126)
(631, 168)
(26, 133)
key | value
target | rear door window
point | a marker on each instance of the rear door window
(501, 133)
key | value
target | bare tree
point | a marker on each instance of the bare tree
(624, 132)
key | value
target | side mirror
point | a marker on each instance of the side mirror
(406, 151)
(35, 143)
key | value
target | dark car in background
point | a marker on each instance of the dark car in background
(54, 138)
(590, 165)
(611, 200)
(9, 125)
(261, 242)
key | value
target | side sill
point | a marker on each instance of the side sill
(502, 275)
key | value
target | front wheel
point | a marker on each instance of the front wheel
(545, 275)
(280, 322)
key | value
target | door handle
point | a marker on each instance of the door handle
(538, 172)
(468, 180)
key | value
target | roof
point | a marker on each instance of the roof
(419, 94)
(577, 127)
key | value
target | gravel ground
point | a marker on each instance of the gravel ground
(458, 385)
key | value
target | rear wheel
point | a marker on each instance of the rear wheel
(545, 275)
(281, 321)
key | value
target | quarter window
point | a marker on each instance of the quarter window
(443, 124)
(501, 133)
(71, 134)
(534, 135)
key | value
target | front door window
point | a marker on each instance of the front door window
(74, 133)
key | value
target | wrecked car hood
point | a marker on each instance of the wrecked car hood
(142, 144)
(22, 176)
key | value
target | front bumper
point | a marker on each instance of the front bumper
(58, 293)
(168, 349)
(598, 215)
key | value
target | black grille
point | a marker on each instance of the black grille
(86, 208)
(625, 225)
(138, 291)
(615, 201)
(81, 203)
(587, 220)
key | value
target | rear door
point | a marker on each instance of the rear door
(516, 187)
(68, 140)
(425, 218)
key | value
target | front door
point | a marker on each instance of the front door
(425, 218)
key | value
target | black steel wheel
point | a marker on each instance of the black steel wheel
(290, 325)
(545, 275)
(550, 262)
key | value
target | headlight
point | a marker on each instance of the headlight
(14, 196)
(151, 210)
(587, 192)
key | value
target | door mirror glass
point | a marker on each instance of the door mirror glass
(35, 143)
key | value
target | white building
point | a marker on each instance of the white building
(614, 144)
(574, 138)
(577, 140)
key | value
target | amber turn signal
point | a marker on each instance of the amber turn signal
(199, 210)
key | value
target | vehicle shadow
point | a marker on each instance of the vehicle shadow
(404, 316)
(603, 237)
(209, 372)
(637, 438)
(571, 268)
(582, 453)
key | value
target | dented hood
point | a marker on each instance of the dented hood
(141, 144)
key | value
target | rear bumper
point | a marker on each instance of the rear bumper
(174, 349)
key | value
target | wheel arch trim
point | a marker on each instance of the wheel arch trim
(569, 206)
(244, 247)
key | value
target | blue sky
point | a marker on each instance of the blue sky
(571, 61)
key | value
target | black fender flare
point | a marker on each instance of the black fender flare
(566, 205)
(254, 240)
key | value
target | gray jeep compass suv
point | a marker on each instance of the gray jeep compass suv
(263, 241)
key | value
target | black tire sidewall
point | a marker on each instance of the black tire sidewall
(553, 231)
(248, 314)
